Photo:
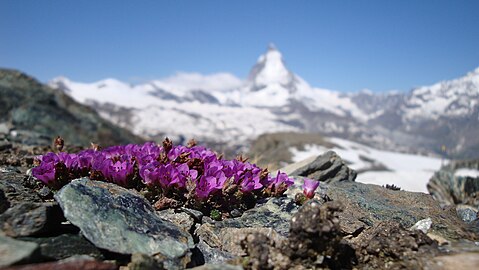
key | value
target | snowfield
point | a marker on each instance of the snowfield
(409, 172)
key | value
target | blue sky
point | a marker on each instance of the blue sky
(340, 45)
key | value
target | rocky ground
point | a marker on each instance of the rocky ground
(347, 225)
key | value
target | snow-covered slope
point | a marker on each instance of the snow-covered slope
(453, 98)
(174, 109)
(408, 171)
(226, 109)
(194, 105)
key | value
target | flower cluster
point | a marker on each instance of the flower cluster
(181, 172)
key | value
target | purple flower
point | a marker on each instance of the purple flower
(45, 173)
(309, 187)
(119, 172)
(169, 169)
(150, 173)
(205, 186)
(49, 158)
(185, 171)
(282, 178)
(70, 160)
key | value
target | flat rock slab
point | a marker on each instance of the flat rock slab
(121, 220)
(366, 205)
(14, 251)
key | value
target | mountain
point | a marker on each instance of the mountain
(444, 114)
(224, 110)
(33, 113)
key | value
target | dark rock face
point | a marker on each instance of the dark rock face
(328, 167)
(36, 113)
(27, 219)
(122, 221)
(451, 189)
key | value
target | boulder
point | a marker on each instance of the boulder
(328, 167)
(122, 221)
(456, 183)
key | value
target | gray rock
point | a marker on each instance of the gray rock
(449, 189)
(122, 221)
(181, 219)
(212, 254)
(28, 219)
(15, 252)
(65, 246)
(367, 205)
(11, 185)
(229, 239)
(220, 240)
(274, 213)
(195, 214)
(467, 213)
(328, 167)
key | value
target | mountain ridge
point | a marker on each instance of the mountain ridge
(273, 99)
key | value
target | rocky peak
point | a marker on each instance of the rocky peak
(270, 70)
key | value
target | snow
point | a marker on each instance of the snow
(408, 171)
(273, 95)
(466, 173)
(273, 70)
(198, 120)
(447, 98)
(279, 87)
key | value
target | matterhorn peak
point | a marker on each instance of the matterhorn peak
(270, 69)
